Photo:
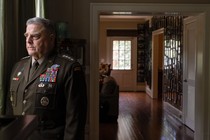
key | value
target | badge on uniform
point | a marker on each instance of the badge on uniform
(15, 78)
(41, 85)
(51, 74)
(44, 101)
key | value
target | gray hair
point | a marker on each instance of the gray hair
(48, 24)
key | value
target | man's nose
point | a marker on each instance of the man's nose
(29, 39)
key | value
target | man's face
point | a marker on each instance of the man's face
(38, 41)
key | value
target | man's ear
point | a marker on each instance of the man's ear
(52, 37)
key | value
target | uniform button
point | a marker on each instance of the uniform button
(25, 90)
(23, 113)
(24, 101)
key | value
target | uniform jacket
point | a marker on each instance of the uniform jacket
(56, 93)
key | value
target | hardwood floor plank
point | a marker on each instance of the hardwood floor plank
(143, 118)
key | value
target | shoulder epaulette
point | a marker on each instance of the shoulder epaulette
(25, 57)
(68, 57)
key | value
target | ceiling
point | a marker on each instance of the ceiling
(134, 16)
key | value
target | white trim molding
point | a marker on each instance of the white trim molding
(202, 104)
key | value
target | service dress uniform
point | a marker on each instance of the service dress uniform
(56, 92)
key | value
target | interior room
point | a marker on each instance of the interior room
(152, 54)
(151, 51)
(152, 93)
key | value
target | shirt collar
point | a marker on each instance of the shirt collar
(40, 60)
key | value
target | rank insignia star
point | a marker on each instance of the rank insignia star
(19, 73)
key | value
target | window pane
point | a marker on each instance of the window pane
(128, 45)
(115, 55)
(128, 55)
(121, 57)
(121, 54)
(115, 45)
(127, 64)
(121, 64)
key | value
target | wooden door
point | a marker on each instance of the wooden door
(189, 70)
(126, 79)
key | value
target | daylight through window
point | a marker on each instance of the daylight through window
(121, 54)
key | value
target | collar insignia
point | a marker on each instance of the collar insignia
(55, 66)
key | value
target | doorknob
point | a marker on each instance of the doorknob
(185, 80)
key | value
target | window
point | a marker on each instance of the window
(121, 54)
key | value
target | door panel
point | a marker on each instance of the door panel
(190, 38)
(124, 79)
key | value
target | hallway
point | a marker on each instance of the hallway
(141, 118)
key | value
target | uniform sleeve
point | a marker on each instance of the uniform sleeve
(76, 106)
(9, 109)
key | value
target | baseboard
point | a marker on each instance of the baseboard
(173, 112)
(140, 87)
(148, 91)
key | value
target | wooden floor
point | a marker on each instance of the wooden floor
(141, 118)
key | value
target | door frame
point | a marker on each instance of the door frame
(155, 61)
(202, 129)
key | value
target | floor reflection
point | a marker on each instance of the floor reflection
(143, 118)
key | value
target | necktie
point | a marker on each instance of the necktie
(33, 68)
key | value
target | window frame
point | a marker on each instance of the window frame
(110, 51)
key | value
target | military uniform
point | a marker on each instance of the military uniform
(56, 93)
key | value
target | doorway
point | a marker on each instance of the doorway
(150, 9)
(157, 62)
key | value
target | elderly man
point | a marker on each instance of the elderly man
(48, 85)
